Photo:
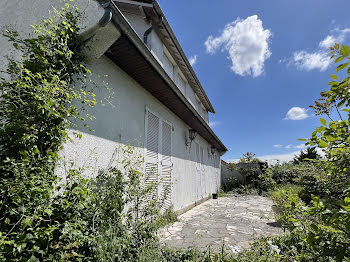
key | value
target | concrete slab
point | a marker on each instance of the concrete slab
(233, 221)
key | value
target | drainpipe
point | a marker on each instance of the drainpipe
(149, 30)
(105, 19)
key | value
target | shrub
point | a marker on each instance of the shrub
(44, 217)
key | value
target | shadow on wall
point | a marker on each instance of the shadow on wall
(121, 121)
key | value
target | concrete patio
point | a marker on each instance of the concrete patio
(233, 221)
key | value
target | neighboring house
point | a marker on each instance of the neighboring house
(157, 96)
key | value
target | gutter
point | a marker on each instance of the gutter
(105, 19)
(121, 23)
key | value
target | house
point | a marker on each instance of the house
(157, 102)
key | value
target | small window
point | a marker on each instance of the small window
(181, 84)
(168, 66)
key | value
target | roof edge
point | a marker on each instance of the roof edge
(182, 53)
(121, 22)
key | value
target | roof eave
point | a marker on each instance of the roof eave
(182, 53)
(121, 22)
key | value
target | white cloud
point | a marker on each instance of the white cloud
(301, 146)
(338, 36)
(296, 113)
(193, 60)
(275, 158)
(309, 61)
(214, 123)
(288, 146)
(319, 59)
(272, 159)
(247, 43)
(277, 146)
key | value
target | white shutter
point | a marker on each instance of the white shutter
(158, 159)
(166, 164)
(151, 148)
(202, 174)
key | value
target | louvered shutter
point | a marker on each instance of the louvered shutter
(152, 148)
(202, 174)
(166, 164)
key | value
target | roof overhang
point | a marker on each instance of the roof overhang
(131, 54)
(153, 12)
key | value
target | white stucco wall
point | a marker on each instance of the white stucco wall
(124, 122)
(22, 14)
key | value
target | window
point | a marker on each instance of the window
(168, 66)
(181, 84)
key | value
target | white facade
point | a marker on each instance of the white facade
(132, 116)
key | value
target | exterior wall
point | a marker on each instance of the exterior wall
(228, 175)
(21, 14)
(156, 46)
(123, 123)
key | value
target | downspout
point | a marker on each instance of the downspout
(105, 19)
(149, 30)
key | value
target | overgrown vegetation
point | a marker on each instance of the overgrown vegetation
(44, 218)
(313, 194)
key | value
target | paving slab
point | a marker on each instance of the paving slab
(230, 221)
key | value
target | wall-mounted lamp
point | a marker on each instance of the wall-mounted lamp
(191, 136)
(212, 150)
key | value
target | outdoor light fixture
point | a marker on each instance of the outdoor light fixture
(191, 136)
(212, 150)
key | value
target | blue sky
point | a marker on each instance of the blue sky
(259, 60)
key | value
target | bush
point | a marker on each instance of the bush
(44, 217)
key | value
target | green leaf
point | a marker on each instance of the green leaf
(333, 83)
(330, 138)
(341, 103)
(335, 77)
(33, 259)
(345, 50)
(340, 58)
(342, 66)
(322, 144)
(323, 121)
(336, 46)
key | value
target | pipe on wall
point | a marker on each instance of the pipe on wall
(105, 19)
(149, 30)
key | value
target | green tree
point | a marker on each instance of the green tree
(308, 154)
